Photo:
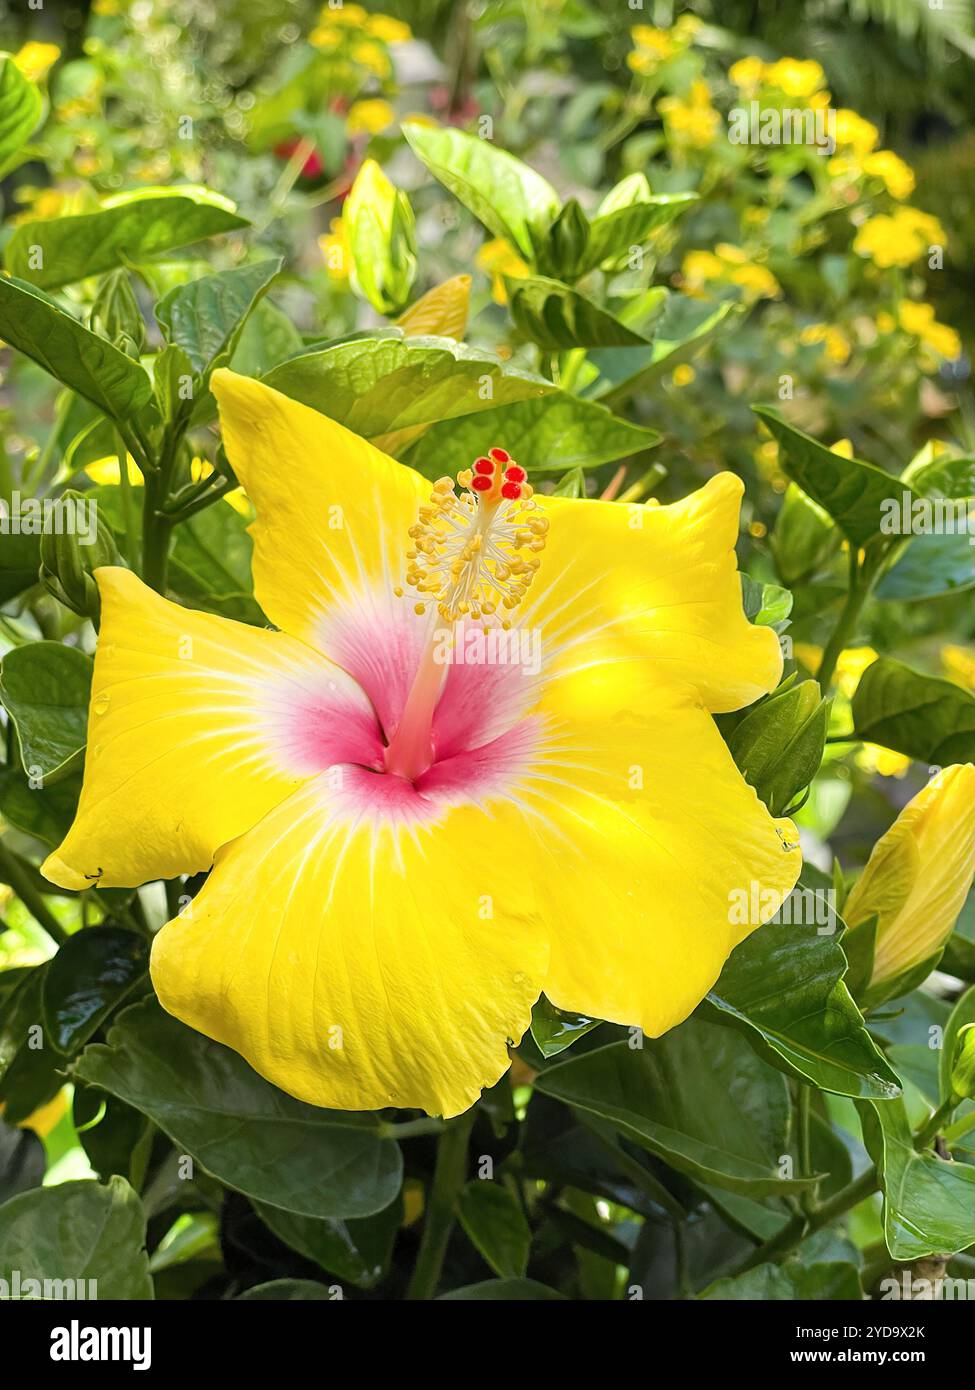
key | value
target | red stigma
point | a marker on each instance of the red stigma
(483, 465)
(511, 490)
(514, 473)
(481, 483)
(500, 455)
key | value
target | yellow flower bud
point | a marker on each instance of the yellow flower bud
(918, 876)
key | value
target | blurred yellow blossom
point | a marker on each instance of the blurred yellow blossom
(897, 176)
(959, 664)
(369, 117)
(498, 258)
(652, 47)
(731, 265)
(387, 29)
(919, 321)
(898, 239)
(796, 77)
(882, 761)
(853, 132)
(691, 120)
(683, 375)
(36, 59)
(747, 73)
(107, 470)
(335, 250)
(373, 56)
(886, 323)
(919, 875)
(834, 340)
(844, 447)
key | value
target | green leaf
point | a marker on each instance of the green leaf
(45, 688)
(22, 1161)
(554, 1030)
(560, 251)
(699, 1098)
(89, 977)
(685, 327)
(127, 228)
(288, 1291)
(506, 195)
(929, 1203)
(558, 318)
(784, 985)
(779, 745)
(931, 566)
(75, 356)
(44, 812)
(205, 317)
(240, 1128)
(766, 605)
(503, 1291)
(20, 113)
(941, 477)
(496, 1226)
(375, 385)
(832, 1279)
(851, 491)
(613, 235)
(77, 1231)
(920, 716)
(804, 536)
(550, 435)
(210, 566)
(356, 1251)
(20, 559)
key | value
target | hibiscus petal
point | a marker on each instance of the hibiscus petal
(198, 725)
(331, 534)
(363, 948)
(656, 857)
(662, 579)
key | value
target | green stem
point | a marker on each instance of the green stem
(128, 504)
(934, 1122)
(14, 872)
(410, 1129)
(802, 1226)
(156, 531)
(959, 1129)
(804, 1136)
(448, 1179)
(856, 597)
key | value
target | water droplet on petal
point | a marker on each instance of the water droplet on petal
(100, 704)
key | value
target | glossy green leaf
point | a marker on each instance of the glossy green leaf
(766, 605)
(921, 716)
(557, 318)
(931, 566)
(289, 1291)
(240, 1128)
(614, 234)
(74, 1231)
(20, 112)
(699, 1098)
(961, 1015)
(22, 1161)
(554, 1030)
(205, 317)
(375, 385)
(36, 326)
(506, 195)
(355, 1251)
(44, 812)
(126, 229)
(550, 435)
(89, 977)
(496, 1226)
(210, 566)
(851, 491)
(793, 1280)
(929, 1203)
(784, 985)
(503, 1291)
(20, 560)
(804, 536)
(684, 329)
(45, 688)
(779, 745)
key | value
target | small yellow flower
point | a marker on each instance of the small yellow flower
(919, 875)
(373, 56)
(335, 250)
(959, 664)
(732, 265)
(854, 133)
(898, 239)
(683, 374)
(795, 77)
(498, 258)
(882, 761)
(919, 321)
(106, 470)
(837, 345)
(387, 29)
(369, 117)
(36, 59)
(886, 323)
(896, 175)
(747, 73)
(701, 266)
(691, 120)
(345, 15)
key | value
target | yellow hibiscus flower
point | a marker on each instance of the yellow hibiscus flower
(410, 842)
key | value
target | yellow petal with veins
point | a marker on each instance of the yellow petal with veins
(189, 740)
(661, 582)
(357, 965)
(654, 858)
(333, 512)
